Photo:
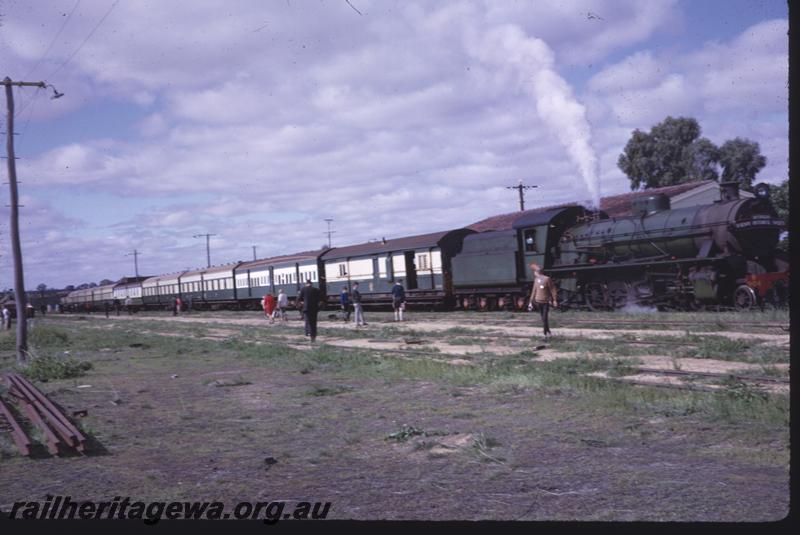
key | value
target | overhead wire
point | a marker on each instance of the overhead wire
(33, 99)
(55, 38)
(26, 101)
(86, 40)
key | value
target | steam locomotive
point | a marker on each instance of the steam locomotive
(709, 255)
(719, 254)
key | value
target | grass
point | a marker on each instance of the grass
(481, 445)
(723, 348)
(520, 372)
(329, 391)
(51, 367)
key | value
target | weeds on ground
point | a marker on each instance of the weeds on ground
(408, 431)
(51, 367)
(329, 391)
(481, 445)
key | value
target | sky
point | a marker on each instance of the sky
(256, 120)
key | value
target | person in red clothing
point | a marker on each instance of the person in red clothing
(269, 307)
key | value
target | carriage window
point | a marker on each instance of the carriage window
(530, 241)
(342, 270)
(422, 261)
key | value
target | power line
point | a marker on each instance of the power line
(63, 25)
(91, 33)
(30, 114)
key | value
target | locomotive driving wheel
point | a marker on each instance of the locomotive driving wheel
(595, 296)
(744, 297)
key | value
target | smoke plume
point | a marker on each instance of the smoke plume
(530, 61)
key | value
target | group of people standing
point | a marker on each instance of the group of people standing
(543, 296)
(309, 299)
(275, 308)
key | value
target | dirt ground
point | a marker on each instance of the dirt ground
(202, 424)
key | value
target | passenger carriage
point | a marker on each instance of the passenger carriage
(269, 275)
(422, 262)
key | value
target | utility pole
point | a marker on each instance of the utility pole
(329, 221)
(254, 252)
(20, 298)
(208, 246)
(521, 188)
(135, 254)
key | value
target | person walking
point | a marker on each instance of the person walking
(344, 302)
(357, 307)
(543, 294)
(176, 310)
(129, 305)
(107, 307)
(283, 302)
(6, 317)
(309, 298)
(117, 306)
(269, 306)
(398, 300)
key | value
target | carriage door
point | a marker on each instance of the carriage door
(271, 280)
(376, 274)
(411, 271)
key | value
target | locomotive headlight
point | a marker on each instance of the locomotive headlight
(762, 191)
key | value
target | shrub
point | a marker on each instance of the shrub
(47, 367)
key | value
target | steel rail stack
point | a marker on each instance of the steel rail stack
(53, 423)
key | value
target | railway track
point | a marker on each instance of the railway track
(561, 322)
(758, 380)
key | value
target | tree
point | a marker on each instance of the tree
(41, 288)
(671, 153)
(69, 287)
(104, 282)
(741, 160)
(780, 199)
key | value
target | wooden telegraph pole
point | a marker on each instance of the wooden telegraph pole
(19, 282)
(521, 188)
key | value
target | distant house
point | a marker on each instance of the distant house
(680, 196)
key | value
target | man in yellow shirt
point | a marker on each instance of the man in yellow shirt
(544, 293)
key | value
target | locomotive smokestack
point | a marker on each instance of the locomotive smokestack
(728, 191)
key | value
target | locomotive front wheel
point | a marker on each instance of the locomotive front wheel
(483, 304)
(520, 303)
(744, 297)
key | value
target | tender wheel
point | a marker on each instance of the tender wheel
(744, 297)
(519, 303)
(483, 304)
